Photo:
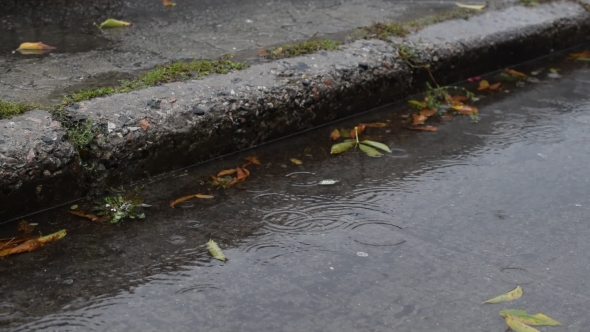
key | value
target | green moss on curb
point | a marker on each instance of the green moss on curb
(312, 45)
(177, 71)
(8, 109)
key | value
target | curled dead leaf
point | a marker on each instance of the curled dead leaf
(32, 244)
(226, 172)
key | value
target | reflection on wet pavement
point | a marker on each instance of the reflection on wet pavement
(412, 241)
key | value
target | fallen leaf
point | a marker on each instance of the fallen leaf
(25, 227)
(344, 133)
(262, 53)
(167, 3)
(516, 73)
(215, 250)
(241, 174)
(13, 241)
(483, 85)
(253, 160)
(580, 56)
(226, 172)
(186, 198)
(371, 152)
(357, 130)
(419, 119)
(335, 134)
(458, 98)
(517, 326)
(223, 181)
(522, 316)
(423, 128)
(514, 294)
(112, 23)
(35, 46)
(296, 161)
(33, 244)
(374, 124)
(377, 145)
(554, 70)
(144, 124)
(73, 207)
(90, 216)
(417, 104)
(474, 7)
(464, 109)
(427, 113)
(495, 86)
(341, 147)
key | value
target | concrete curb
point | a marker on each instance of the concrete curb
(167, 127)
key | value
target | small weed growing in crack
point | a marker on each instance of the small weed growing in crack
(8, 109)
(81, 134)
(117, 208)
(306, 47)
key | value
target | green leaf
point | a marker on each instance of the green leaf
(514, 294)
(522, 316)
(370, 151)
(341, 147)
(517, 326)
(344, 133)
(377, 145)
(112, 23)
(417, 104)
(215, 250)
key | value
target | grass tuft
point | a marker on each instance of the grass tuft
(312, 45)
(8, 109)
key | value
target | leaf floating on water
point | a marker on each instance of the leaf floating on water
(168, 3)
(215, 250)
(377, 145)
(335, 134)
(522, 316)
(296, 161)
(112, 23)
(474, 7)
(253, 160)
(464, 109)
(517, 326)
(342, 147)
(32, 244)
(514, 294)
(186, 198)
(371, 152)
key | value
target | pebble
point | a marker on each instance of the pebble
(198, 111)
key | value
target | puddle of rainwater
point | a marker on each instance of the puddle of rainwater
(410, 241)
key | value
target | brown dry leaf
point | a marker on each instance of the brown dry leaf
(374, 124)
(144, 124)
(423, 128)
(25, 227)
(458, 98)
(483, 85)
(35, 46)
(495, 86)
(13, 241)
(464, 109)
(241, 174)
(335, 134)
(33, 244)
(90, 216)
(226, 172)
(262, 53)
(359, 129)
(186, 198)
(427, 113)
(253, 160)
(516, 73)
(419, 119)
(168, 3)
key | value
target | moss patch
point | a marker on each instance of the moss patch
(177, 71)
(8, 109)
(312, 45)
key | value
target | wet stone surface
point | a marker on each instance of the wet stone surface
(412, 241)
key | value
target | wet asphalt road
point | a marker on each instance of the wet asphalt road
(413, 241)
(87, 57)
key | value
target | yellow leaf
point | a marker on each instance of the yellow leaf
(112, 23)
(522, 316)
(215, 250)
(474, 7)
(517, 326)
(167, 3)
(514, 294)
(296, 161)
(483, 84)
(35, 46)
(335, 134)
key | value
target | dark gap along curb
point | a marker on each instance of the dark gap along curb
(159, 129)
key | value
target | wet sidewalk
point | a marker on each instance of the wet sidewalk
(87, 57)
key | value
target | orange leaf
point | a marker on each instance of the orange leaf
(12, 241)
(335, 134)
(495, 86)
(458, 98)
(427, 113)
(241, 174)
(585, 54)
(167, 3)
(92, 217)
(424, 128)
(35, 46)
(464, 109)
(33, 244)
(186, 198)
(360, 128)
(418, 119)
(374, 124)
(516, 73)
(253, 160)
(226, 172)
(483, 85)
